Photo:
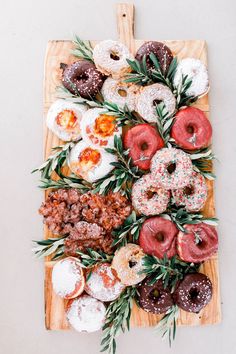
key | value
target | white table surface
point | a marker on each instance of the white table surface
(25, 28)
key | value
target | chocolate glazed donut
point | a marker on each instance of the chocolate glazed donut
(193, 293)
(154, 298)
(160, 50)
(82, 78)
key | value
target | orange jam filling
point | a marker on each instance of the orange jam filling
(66, 119)
(104, 125)
(89, 158)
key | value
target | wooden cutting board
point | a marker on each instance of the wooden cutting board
(59, 52)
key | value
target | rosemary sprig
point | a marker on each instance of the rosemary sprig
(167, 325)
(122, 176)
(182, 217)
(164, 122)
(140, 74)
(202, 162)
(117, 319)
(158, 76)
(63, 93)
(83, 49)
(129, 231)
(123, 116)
(180, 92)
(92, 257)
(65, 182)
(49, 246)
(169, 270)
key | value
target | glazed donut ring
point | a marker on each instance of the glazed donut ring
(194, 195)
(86, 314)
(103, 283)
(197, 72)
(160, 50)
(193, 293)
(172, 168)
(110, 57)
(148, 98)
(154, 298)
(82, 78)
(198, 243)
(147, 196)
(127, 263)
(120, 93)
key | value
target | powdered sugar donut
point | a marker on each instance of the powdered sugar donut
(148, 197)
(193, 196)
(120, 93)
(86, 314)
(67, 278)
(171, 168)
(150, 96)
(103, 283)
(110, 57)
(98, 128)
(197, 72)
(128, 264)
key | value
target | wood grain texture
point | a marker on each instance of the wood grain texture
(59, 51)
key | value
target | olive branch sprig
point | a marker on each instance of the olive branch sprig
(164, 122)
(123, 116)
(49, 246)
(63, 93)
(92, 257)
(202, 162)
(83, 49)
(168, 324)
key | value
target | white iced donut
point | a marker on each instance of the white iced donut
(86, 314)
(171, 168)
(150, 96)
(67, 278)
(197, 72)
(194, 195)
(110, 57)
(103, 283)
(63, 119)
(99, 129)
(120, 93)
(148, 197)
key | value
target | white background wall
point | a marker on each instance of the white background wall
(25, 28)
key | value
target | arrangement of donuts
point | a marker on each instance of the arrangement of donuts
(127, 186)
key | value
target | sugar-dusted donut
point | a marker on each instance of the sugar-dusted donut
(160, 50)
(191, 129)
(120, 93)
(98, 128)
(103, 283)
(152, 95)
(86, 314)
(148, 198)
(197, 72)
(194, 195)
(158, 237)
(82, 79)
(67, 278)
(171, 168)
(198, 243)
(142, 140)
(154, 298)
(110, 57)
(128, 264)
(193, 293)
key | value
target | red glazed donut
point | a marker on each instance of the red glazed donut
(143, 141)
(198, 244)
(158, 237)
(191, 129)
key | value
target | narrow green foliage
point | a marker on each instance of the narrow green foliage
(83, 49)
(123, 116)
(167, 325)
(49, 246)
(92, 257)
(164, 122)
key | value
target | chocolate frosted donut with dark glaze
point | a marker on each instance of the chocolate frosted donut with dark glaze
(82, 78)
(193, 293)
(154, 298)
(160, 50)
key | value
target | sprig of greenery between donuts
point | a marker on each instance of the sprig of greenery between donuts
(166, 327)
(117, 319)
(83, 49)
(49, 246)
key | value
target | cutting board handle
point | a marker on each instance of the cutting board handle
(125, 24)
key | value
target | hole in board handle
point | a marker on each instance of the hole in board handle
(124, 15)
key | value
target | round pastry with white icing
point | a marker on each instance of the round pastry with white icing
(86, 314)
(150, 97)
(195, 70)
(110, 58)
(67, 278)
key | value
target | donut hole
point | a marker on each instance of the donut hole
(150, 194)
(171, 168)
(132, 263)
(143, 146)
(154, 294)
(122, 93)
(114, 56)
(82, 78)
(160, 236)
(190, 129)
(193, 293)
(188, 190)
(156, 102)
